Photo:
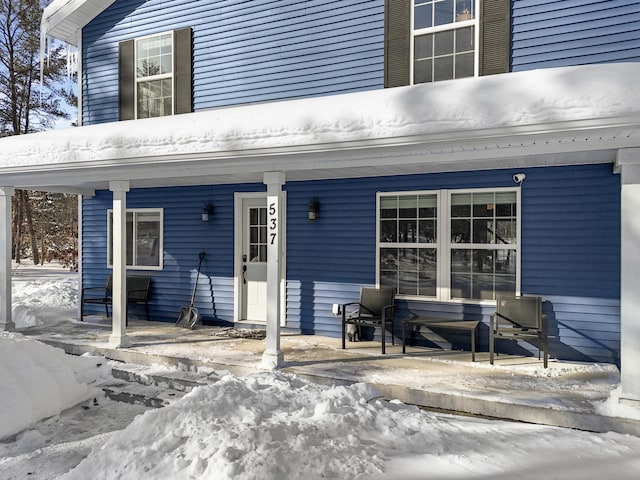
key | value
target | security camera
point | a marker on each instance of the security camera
(519, 178)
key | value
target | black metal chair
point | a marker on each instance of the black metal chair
(519, 318)
(376, 308)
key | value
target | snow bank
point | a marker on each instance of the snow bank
(39, 381)
(42, 300)
(539, 97)
(274, 426)
(268, 426)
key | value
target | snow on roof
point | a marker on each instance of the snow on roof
(534, 102)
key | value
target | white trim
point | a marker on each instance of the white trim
(153, 77)
(160, 246)
(238, 198)
(474, 22)
(80, 230)
(443, 243)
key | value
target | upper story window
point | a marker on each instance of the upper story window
(154, 76)
(449, 245)
(444, 40)
(431, 40)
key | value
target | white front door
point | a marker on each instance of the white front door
(254, 260)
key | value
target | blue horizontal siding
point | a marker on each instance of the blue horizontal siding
(548, 34)
(570, 252)
(244, 52)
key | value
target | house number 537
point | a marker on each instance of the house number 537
(273, 222)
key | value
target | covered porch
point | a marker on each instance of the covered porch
(581, 117)
(566, 394)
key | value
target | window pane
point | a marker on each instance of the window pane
(388, 207)
(506, 231)
(506, 204)
(129, 247)
(427, 272)
(408, 231)
(464, 65)
(461, 231)
(482, 287)
(464, 40)
(483, 205)
(443, 12)
(464, 10)
(460, 286)
(505, 263)
(461, 205)
(423, 47)
(427, 231)
(388, 259)
(408, 207)
(147, 239)
(443, 43)
(422, 15)
(388, 230)
(505, 284)
(483, 231)
(427, 205)
(423, 71)
(442, 69)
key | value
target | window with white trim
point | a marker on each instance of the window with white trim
(444, 40)
(144, 238)
(449, 245)
(154, 76)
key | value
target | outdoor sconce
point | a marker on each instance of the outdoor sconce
(207, 211)
(313, 212)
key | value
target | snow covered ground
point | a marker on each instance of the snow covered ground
(57, 423)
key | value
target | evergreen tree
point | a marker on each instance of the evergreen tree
(28, 105)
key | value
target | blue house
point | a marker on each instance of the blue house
(452, 149)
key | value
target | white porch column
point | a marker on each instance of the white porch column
(6, 323)
(629, 161)
(272, 356)
(118, 336)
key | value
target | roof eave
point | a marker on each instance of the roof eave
(64, 19)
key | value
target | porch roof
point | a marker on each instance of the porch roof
(571, 115)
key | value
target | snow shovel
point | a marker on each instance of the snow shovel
(189, 316)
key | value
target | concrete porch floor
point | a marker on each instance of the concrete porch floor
(515, 388)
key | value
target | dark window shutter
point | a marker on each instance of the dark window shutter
(495, 36)
(126, 80)
(182, 99)
(397, 43)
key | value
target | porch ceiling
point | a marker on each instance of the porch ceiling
(549, 117)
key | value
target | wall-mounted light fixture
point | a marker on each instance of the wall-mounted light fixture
(313, 212)
(207, 211)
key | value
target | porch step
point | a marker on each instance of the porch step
(152, 387)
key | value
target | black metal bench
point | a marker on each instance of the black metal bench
(138, 293)
(415, 322)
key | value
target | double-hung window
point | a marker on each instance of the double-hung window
(449, 245)
(444, 40)
(144, 238)
(154, 76)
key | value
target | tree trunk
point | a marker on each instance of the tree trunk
(17, 227)
(29, 220)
